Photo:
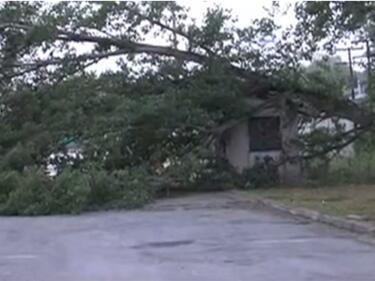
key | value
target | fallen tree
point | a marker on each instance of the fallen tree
(41, 43)
(166, 102)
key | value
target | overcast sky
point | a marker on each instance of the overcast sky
(246, 11)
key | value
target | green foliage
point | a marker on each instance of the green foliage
(200, 170)
(261, 175)
(104, 187)
(30, 194)
(161, 108)
(216, 174)
(317, 169)
(123, 133)
(134, 185)
(334, 19)
(120, 189)
(9, 181)
(33, 193)
(70, 192)
(359, 169)
(327, 76)
(17, 159)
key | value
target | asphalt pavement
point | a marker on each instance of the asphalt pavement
(201, 237)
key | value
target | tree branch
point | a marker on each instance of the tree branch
(334, 147)
(132, 47)
(167, 27)
(332, 106)
(337, 147)
(34, 66)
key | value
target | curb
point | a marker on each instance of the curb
(342, 223)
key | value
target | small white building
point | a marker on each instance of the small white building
(265, 136)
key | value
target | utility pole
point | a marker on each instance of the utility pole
(349, 50)
(368, 54)
(351, 73)
(368, 64)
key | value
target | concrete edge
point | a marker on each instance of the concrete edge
(339, 222)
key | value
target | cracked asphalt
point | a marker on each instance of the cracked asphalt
(215, 236)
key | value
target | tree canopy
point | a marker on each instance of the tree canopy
(176, 83)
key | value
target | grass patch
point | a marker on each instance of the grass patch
(335, 200)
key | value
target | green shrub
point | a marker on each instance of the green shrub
(359, 169)
(134, 186)
(17, 159)
(260, 176)
(104, 187)
(70, 192)
(216, 175)
(317, 168)
(30, 194)
(120, 189)
(9, 181)
(33, 193)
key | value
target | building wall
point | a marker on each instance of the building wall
(237, 140)
(239, 156)
(237, 146)
(274, 154)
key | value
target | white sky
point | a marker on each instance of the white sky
(244, 10)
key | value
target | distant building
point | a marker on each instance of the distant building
(331, 124)
(70, 151)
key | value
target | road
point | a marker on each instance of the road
(202, 237)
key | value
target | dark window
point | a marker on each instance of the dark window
(264, 133)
